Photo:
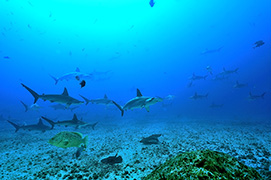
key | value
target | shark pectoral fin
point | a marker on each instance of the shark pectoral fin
(147, 108)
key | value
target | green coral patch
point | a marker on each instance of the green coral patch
(203, 164)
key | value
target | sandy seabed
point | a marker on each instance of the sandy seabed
(28, 155)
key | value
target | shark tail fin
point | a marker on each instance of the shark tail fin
(52, 123)
(25, 106)
(236, 70)
(262, 96)
(120, 108)
(205, 77)
(93, 125)
(86, 99)
(54, 78)
(17, 127)
(34, 94)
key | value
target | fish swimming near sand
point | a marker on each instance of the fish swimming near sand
(67, 139)
(34, 127)
(63, 98)
(139, 102)
(112, 160)
(153, 139)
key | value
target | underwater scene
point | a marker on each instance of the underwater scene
(135, 89)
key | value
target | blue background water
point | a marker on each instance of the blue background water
(154, 49)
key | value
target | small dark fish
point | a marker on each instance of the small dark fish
(258, 44)
(79, 151)
(77, 78)
(6, 57)
(151, 3)
(83, 83)
(29, 26)
(112, 160)
(153, 139)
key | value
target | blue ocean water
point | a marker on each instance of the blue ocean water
(129, 45)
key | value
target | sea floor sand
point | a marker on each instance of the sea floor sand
(27, 155)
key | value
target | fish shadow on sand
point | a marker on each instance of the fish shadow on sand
(153, 139)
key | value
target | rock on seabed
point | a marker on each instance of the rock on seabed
(203, 164)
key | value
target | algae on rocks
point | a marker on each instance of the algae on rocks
(203, 164)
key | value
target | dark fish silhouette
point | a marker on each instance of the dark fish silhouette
(112, 160)
(151, 3)
(6, 57)
(153, 139)
(258, 44)
(83, 83)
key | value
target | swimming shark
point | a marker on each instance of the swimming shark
(77, 75)
(211, 51)
(194, 77)
(227, 72)
(62, 107)
(253, 97)
(213, 105)
(63, 98)
(139, 102)
(33, 127)
(74, 122)
(104, 100)
(196, 96)
(238, 85)
(90, 125)
(34, 107)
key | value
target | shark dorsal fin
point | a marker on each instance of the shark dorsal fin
(75, 118)
(77, 70)
(65, 92)
(40, 122)
(105, 96)
(138, 93)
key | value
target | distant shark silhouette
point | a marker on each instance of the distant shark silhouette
(63, 98)
(34, 127)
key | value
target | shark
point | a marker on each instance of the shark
(73, 123)
(213, 105)
(239, 85)
(195, 77)
(90, 125)
(138, 102)
(63, 98)
(34, 107)
(228, 72)
(254, 97)
(62, 107)
(196, 96)
(33, 127)
(103, 100)
(211, 51)
(76, 75)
